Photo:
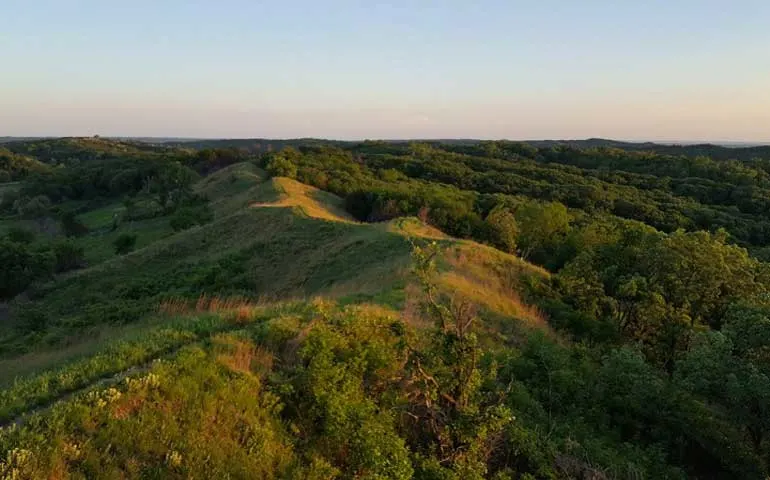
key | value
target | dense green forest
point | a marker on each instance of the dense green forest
(437, 310)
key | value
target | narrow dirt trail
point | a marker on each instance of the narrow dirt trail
(103, 382)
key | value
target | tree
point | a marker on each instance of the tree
(444, 380)
(188, 217)
(125, 243)
(658, 289)
(21, 265)
(171, 184)
(725, 369)
(35, 207)
(69, 256)
(503, 229)
(72, 226)
(282, 164)
(20, 235)
(542, 229)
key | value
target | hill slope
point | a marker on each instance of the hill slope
(271, 239)
(189, 316)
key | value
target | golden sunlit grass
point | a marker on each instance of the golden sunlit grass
(311, 201)
(413, 227)
(241, 355)
(490, 279)
(208, 304)
(373, 310)
(490, 295)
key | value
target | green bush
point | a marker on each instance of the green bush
(20, 235)
(21, 265)
(68, 256)
(35, 207)
(125, 243)
(72, 226)
(280, 166)
(503, 229)
(188, 217)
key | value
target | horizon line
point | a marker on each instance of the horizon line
(404, 139)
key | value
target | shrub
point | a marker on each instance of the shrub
(8, 201)
(68, 256)
(21, 235)
(280, 166)
(21, 265)
(503, 230)
(34, 208)
(31, 319)
(125, 243)
(188, 217)
(71, 226)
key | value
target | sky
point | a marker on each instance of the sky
(665, 70)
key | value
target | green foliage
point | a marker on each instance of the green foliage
(21, 265)
(366, 396)
(20, 235)
(16, 167)
(504, 231)
(188, 217)
(730, 369)
(171, 185)
(35, 207)
(69, 256)
(445, 379)
(210, 160)
(282, 164)
(118, 356)
(125, 243)
(329, 403)
(658, 289)
(149, 425)
(71, 226)
(544, 228)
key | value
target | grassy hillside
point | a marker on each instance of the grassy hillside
(189, 314)
(271, 239)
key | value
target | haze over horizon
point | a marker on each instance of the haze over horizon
(693, 71)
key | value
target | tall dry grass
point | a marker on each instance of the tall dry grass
(243, 308)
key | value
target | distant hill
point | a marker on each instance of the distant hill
(51, 150)
(727, 151)
(739, 151)
(19, 139)
(719, 150)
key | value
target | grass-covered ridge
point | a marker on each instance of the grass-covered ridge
(270, 239)
(311, 201)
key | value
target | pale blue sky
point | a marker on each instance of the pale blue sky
(627, 69)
